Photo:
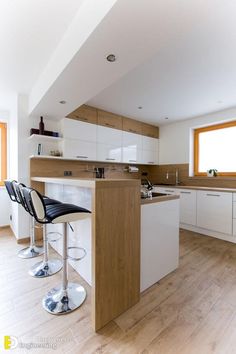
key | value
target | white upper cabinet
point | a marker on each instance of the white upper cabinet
(109, 136)
(149, 143)
(149, 150)
(80, 149)
(88, 141)
(75, 129)
(132, 148)
(214, 211)
(109, 144)
(108, 153)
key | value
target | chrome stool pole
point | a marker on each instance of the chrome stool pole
(46, 267)
(67, 297)
(33, 250)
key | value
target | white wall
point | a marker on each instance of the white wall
(175, 144)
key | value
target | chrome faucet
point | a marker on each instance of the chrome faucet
(176, 176)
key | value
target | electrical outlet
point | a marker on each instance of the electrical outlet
(67, 173)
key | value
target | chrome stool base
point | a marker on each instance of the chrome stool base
(59, 301)
(31, 252)
(45, 269)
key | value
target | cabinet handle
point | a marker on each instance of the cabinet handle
(108, 159)
(82, 157)
(82, 118)
(185, 192)
(151, 162)
(109, 125)
(132, 160)
(213, 195)
(169, 190)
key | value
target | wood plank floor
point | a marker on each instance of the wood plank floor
(191, 311)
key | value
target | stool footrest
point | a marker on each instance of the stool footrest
(53, 233)
(77, 248)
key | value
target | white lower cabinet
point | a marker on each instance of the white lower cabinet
(188, 206)
(82, 150)
(214, 211)
(159, 241)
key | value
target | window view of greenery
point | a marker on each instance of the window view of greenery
(217, 149)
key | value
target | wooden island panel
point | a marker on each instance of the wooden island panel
(116, 249)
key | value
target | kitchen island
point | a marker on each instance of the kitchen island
(120, 222)
(111, 239)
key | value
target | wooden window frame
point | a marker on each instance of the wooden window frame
(3, 127)
(196, 147)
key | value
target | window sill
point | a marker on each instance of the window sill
(219, 178)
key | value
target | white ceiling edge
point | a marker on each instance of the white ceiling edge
(87, 19)
(88, 73)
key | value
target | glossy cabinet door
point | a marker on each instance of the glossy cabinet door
(132, 148)
(82, 150)
(109, 144)
(188, 206)
(214, 211)
(149, 151)
(74, 129)
(108, 153)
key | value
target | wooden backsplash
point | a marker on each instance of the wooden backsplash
(55, 168)
(157, 174)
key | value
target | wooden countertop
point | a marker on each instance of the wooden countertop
(216, 189)
(87, 182)
(163, 198)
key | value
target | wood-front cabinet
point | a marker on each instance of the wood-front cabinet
(109, 120)
(214, 211)
(150, 130)
(84, 113)
(131, 125)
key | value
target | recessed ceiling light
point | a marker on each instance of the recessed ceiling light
(140, 107)
(111, 58)
(62, 102)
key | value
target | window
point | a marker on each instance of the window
(3, 152)
(215, 148)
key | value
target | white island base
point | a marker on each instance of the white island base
(159, 240)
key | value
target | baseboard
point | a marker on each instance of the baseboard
(23, 240)
(4, 227)
(210, 233)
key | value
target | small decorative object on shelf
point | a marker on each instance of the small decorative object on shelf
(55, 153)
(40, 149)
(41, 126)
(212, 172)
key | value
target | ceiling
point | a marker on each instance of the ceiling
(175, 59)
(30, 30)
(193, 74)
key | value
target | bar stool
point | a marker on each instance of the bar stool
(32, 250)
(68, 296)
(46, 267)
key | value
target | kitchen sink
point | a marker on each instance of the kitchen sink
(155, 194)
